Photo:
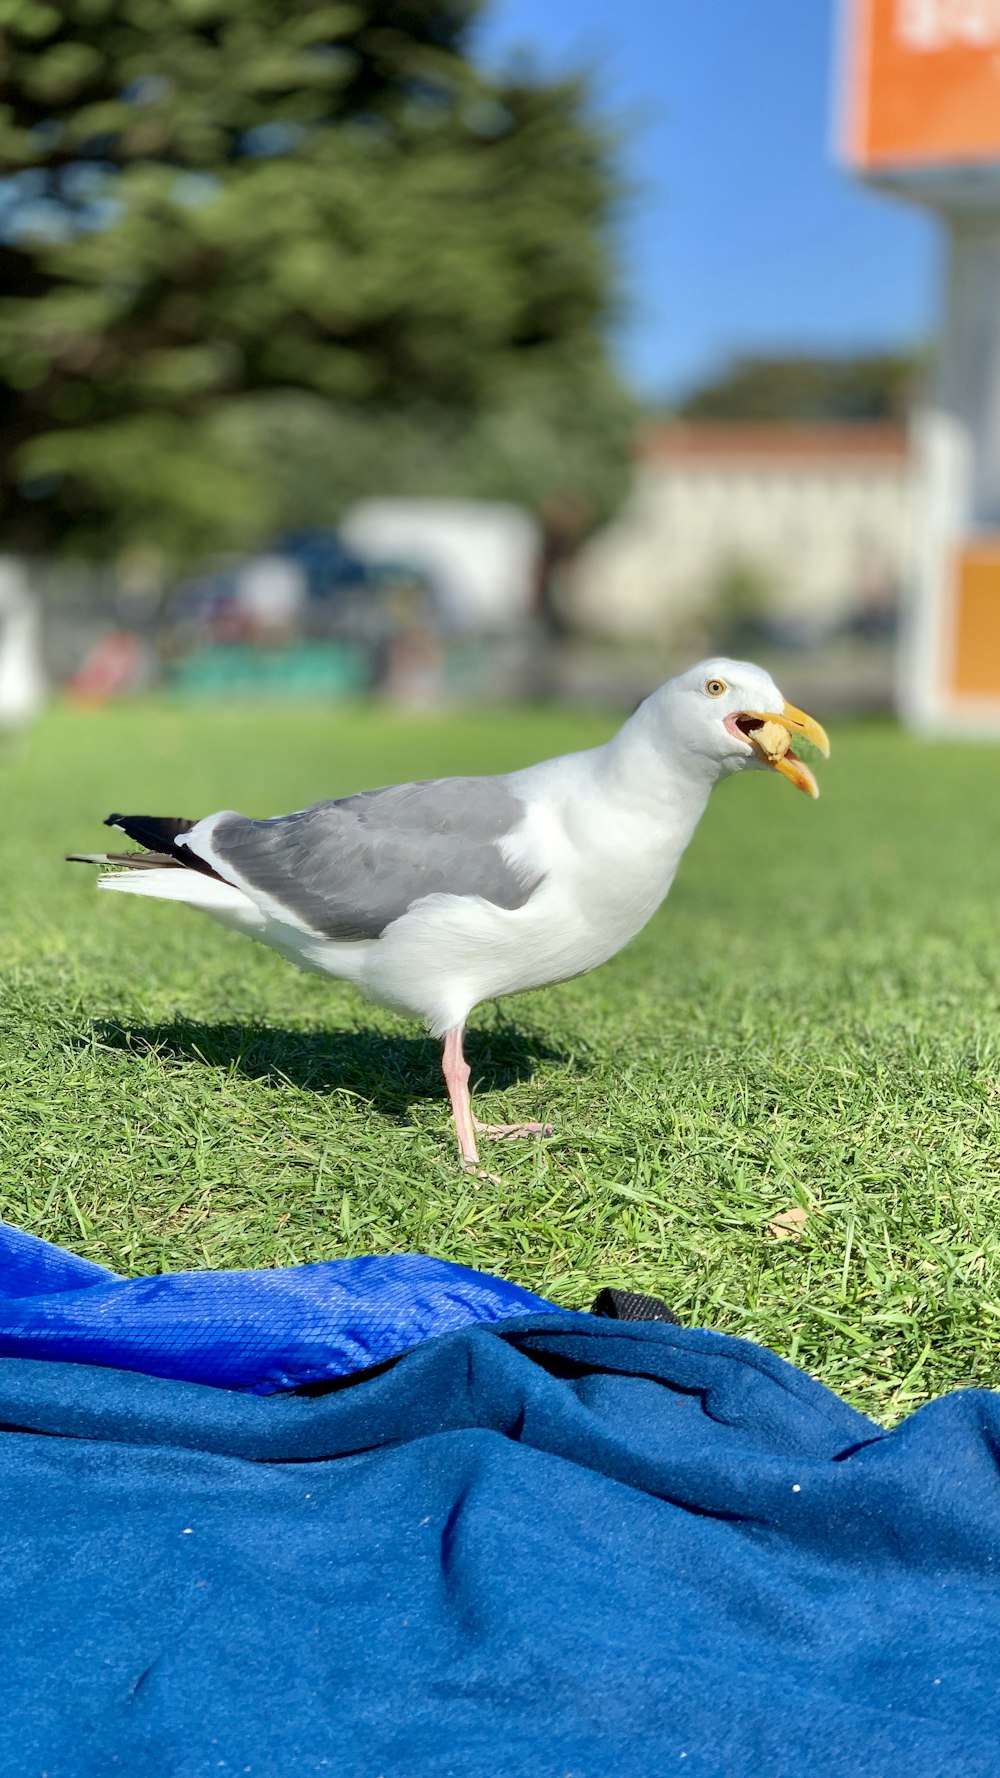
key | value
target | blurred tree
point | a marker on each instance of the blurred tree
(740, 601)
(878, 386)
(261, 256)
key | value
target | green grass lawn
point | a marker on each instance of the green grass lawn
(810, 1021)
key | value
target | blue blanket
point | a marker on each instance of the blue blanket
(258, 1330)
(542, 1547)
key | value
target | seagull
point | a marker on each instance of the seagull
(432, 897)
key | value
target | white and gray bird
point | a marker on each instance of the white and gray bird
(431, 897)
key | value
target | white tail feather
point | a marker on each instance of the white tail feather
(191, 886)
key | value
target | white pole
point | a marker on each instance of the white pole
(957, 446)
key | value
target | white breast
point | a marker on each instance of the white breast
(606, 870)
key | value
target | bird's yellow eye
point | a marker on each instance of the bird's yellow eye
(715, 687)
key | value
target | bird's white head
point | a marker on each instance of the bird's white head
(730, 716)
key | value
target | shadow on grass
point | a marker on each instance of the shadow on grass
(391, 1072)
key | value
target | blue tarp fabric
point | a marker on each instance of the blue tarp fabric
(258, 1330)
(548, 1546)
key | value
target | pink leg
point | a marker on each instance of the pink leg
(456, 1073)
(467, 1126)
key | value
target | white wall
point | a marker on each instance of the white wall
(820, 531)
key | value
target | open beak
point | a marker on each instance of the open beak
(770, 733)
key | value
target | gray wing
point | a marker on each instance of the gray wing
(348, 869)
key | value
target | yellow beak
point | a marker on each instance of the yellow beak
(793, 721)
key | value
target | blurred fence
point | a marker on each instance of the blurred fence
(99, 643)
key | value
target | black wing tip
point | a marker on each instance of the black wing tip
(150, 830)
(175, 823)
(158, 835)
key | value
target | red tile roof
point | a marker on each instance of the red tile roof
(753, 443)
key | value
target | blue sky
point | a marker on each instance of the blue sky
(745, 235)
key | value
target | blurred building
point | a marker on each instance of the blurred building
(800, 530)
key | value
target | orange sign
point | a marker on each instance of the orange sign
(923, 82)
(976, 664)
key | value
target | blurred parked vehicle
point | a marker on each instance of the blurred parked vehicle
(305, 617)
(481, 557)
